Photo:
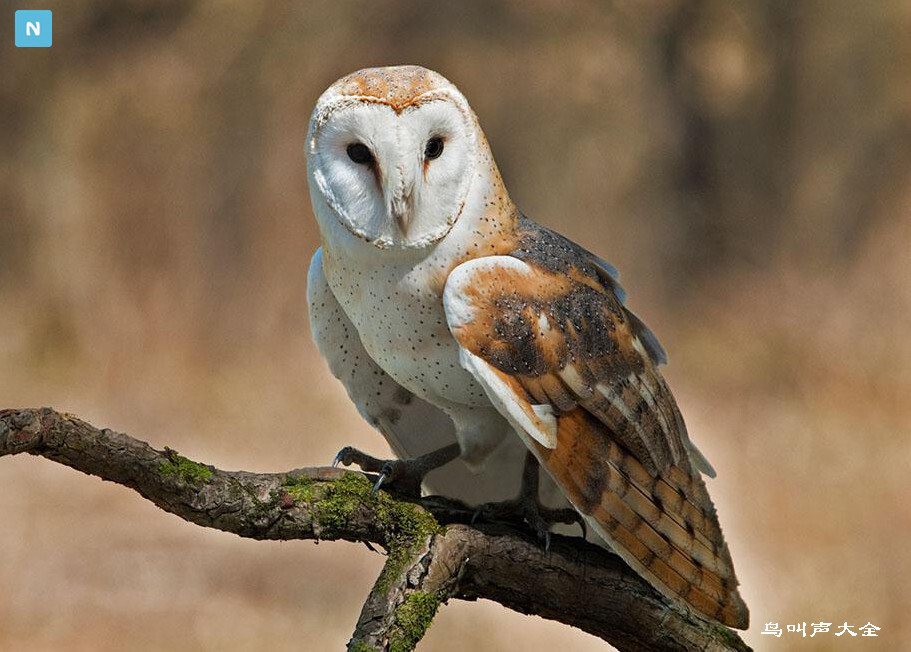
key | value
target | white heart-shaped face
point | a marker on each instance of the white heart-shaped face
(397, 177)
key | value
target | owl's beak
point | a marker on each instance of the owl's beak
(400, 200)
(401, 211)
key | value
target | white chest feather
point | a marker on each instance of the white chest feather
(400, 319)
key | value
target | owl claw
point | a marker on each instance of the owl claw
(527, 509)
(401, 476)
(350, 455)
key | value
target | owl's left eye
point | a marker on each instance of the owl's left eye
(359, 153)
(433, 148)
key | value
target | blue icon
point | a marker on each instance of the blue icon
(33, 29)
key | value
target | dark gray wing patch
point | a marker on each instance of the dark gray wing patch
(652, 346)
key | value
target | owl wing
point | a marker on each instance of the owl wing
(409, 424)
(576, 375)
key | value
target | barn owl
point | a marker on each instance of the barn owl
(482, 345)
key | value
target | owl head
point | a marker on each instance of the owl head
(391, 156)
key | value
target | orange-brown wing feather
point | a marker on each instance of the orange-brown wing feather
(612, 436)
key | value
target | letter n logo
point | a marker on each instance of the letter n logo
(34, 28)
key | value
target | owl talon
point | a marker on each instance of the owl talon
(339, 457)
(350, 455)
(565, 516)
(400, 476)
(528, 509)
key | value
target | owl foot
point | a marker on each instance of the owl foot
(528, 509)
(403, 477)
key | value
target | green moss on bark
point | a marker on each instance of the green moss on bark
(301, 489)
(404, 525)
(412, 619)
(359, 646)
(334, 503)
(191, 472)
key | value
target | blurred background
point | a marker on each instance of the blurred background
(747, 166)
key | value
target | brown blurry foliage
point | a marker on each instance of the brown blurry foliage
(747, 165)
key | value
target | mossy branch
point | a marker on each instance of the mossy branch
(433, 554)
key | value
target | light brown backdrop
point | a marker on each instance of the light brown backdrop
(746, 165)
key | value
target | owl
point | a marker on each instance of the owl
(485, 347)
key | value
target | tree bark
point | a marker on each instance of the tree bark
(433, 553)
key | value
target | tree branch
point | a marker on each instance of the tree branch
(433, 555)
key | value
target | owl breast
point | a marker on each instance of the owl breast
(398, 313)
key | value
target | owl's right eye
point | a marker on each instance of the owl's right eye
(359, 153)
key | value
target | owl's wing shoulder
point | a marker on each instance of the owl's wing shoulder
(410, 425)
(548, 320)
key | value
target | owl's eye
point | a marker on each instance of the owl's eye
(433, 148)
(359, 153)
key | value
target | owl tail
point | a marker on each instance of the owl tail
(665, 526)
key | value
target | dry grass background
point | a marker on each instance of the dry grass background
(746, 165)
